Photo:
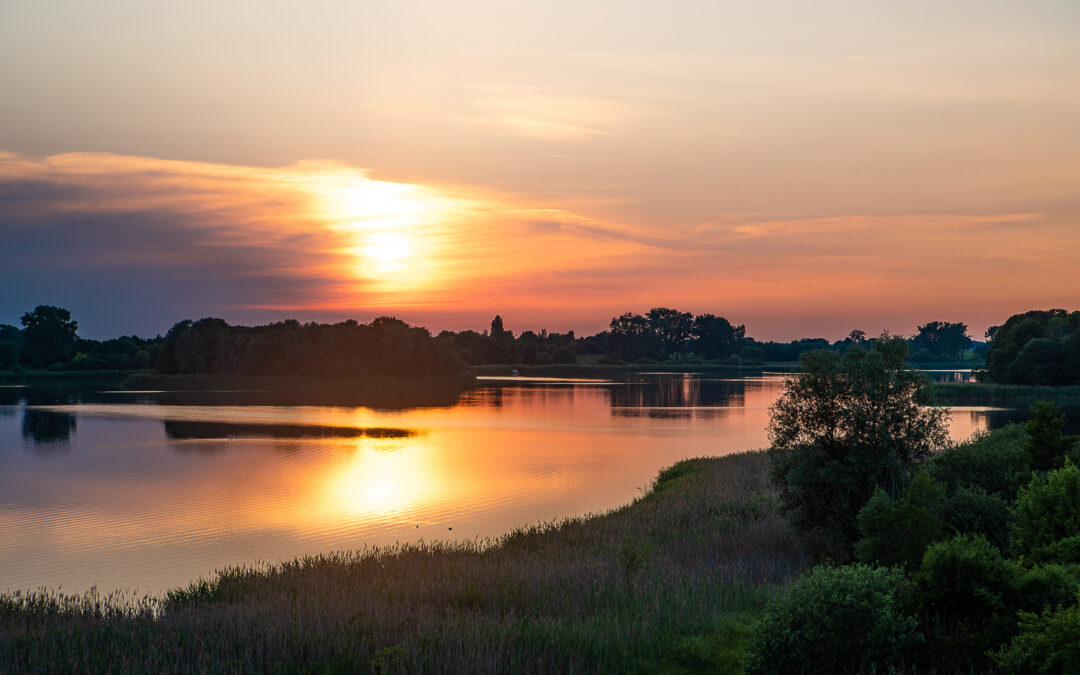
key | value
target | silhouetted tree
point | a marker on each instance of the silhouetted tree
(50, 334)
(943, 340)
(848, 425)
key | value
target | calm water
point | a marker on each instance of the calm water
(146, 491)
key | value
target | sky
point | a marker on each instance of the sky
(801, 168)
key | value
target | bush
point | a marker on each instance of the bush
(992, 461)
(898, 532)
(974, 511)
(965, 587)
(544, 359)
(852, 619)
(564, 355)
(1046, 447)
(1046, 517)
(1047, 643)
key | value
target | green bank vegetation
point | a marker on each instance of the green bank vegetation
(966, 557)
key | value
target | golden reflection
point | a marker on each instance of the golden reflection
(376, 481)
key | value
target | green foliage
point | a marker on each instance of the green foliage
(897, 532)
(847, 426)
(965, 587)
(1048, 643)
(1046, 445)
(995, 462)
(1046, 517)
(972, 510)
(1036, 348)
(852, 619)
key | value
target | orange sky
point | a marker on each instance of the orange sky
(802, 172)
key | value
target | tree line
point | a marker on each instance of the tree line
(1036, 347)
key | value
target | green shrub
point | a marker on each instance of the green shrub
(1048, 643)
(972, 510)
(1046, 513)
(898, 532)
(994, 461)
(1046, 586)
(1046, 445)
(965, 587)
(852, 619)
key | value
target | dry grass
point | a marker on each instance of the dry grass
(668, 583)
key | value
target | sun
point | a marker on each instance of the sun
(388, 251)
(388, 226)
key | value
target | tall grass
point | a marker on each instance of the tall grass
(1004, 395)
(666, 583)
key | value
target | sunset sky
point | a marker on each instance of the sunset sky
(804, 168)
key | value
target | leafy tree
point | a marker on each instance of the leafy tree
(966, 588)
(1046, 517)
(897, 532)
(1047, 643)
(1040, 347)
(630, 336)
(714, 337)
(845, 427)
(1046, 447)
(50, 333)
(943, 340)
(669, 330)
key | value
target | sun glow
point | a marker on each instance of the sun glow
(389, 224)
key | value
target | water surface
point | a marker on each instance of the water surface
(150, 490)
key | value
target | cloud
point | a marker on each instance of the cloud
(544, 113)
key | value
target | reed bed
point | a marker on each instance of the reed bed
(668, 583)
(1004, 395)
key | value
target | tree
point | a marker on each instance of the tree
(845, 427)
(1046, 445)
(942, 339)
(715, 337)
(629, 336)
(670, 330)
(50, 334)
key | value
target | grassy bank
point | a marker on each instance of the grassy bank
(1004, 395)
(668, 583)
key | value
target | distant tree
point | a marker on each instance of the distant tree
(943, 340)
(50, 334)
(846, 426)
(669, 331)
(1040, 347)
(629, 336)
(714, 337)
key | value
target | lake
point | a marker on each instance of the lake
(150, 490)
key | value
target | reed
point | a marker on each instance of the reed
(670, 582)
